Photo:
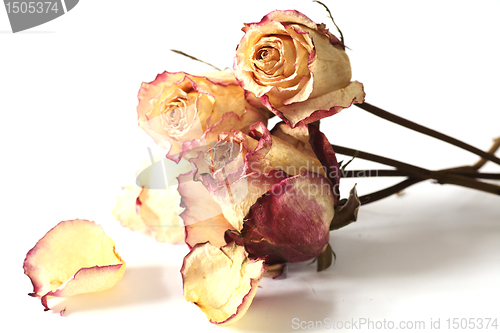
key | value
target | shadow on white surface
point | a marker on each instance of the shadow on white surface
(419, 236)
(274, 313)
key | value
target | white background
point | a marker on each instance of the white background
(69, 140)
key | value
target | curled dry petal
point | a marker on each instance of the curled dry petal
(291, 222)
(347, 211)
(222, 282)
(298, 69)
(74, 257)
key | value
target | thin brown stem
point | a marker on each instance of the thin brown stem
(493, 149)
(398, 173)
(427, 131)
(421, 173)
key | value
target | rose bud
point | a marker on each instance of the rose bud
(291, 222)
(178, 108)
(298, 69)
(74, 257)
(222, 282)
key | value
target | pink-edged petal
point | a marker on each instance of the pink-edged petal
(297, 137)
(289, 16)
(74, 257)
(88, 280)
(323, 106)
(203, 218)
(210, 230)
(324, 151)
(222, 282)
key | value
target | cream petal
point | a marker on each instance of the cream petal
(74, 257)
(222, 282)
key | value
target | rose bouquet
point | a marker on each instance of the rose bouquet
(246, 199)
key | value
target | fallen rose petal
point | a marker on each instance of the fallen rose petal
(222, 282)
(74, 257)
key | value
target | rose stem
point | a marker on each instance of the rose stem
(471, 170)
(417, 172)
(196, 59)
(427, 131)
(331, 17)
(399, 173)
(372, 197)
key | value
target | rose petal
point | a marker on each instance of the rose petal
(297, 137)
(324, 151)
(203, 218)
(322, 106)
(74, 257)
(221, 282)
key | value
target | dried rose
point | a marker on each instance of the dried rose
(178, 108)
(228, 182)
(74, 257)
(222, 282)
(298, 69)
(291, 222)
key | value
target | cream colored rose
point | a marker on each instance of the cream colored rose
(178, 108)
(296, 68)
